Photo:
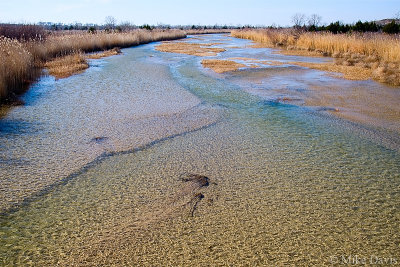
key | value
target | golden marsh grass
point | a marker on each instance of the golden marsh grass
(19, 59)
(107, 53)
(202, 50)
(65, 66)
(62, 67)
(15, 65)
(377, 55)
(220, 66)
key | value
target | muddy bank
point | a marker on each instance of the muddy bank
(195, 49)
(347, 72)
(221, 66)
(66, 66)
(345, 91)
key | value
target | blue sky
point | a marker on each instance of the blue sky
(209, 12)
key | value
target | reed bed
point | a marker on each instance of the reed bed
(20, 59)
(377, 52)
(66, 66)
(60, 45)
(16, 66)
(268, 38)
(207, 31)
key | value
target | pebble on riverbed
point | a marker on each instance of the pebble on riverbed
(99, 139)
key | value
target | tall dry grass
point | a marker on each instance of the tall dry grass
(19, 58)
(207, 31)
(66, 66)
(268, 37)
(16, 64)
(59, 45)
(385, 47)
(375, 51)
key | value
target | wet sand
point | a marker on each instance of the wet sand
(221, 66)
(195, 49)
(365, 102)
(347, 72)
(339, 71)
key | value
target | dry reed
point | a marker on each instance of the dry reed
(107, 53)
(65, 66)
(207, 31)
(221, 66)
(202, 50)
(15, 65)
(379, 53)
(19, 58)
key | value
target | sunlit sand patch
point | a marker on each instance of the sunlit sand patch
(243, 59)
(107, 53)
(196, 38)
(221, 66)
(349, 72)
(290, 51)
(339, 71)
(232, 64)
(260, 45)
(66, 66)
(297, 52)
(360, 104)
(202, 50)
(258, 61)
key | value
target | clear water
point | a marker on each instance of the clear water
(289, 184)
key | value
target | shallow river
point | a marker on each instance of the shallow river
(91, 167)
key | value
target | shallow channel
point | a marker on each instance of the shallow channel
(91, 168)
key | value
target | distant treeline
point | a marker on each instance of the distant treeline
(23, 32)
(27, 32)
(41, 30)
(338, 27)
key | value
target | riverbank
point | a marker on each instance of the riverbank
(63, 67)
(288, 79)
(226, 175)
(21, 59)
(194, 49)
(376, 55)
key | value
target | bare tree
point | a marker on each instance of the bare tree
(314, 20)
(397, 15)
(126, 26)
(298, 20)
(110, 22)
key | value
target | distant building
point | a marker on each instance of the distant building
(383, 22)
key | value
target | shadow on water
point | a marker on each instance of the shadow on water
(18, 127)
